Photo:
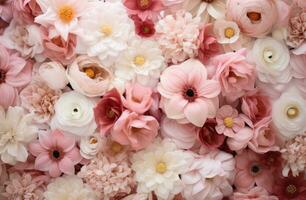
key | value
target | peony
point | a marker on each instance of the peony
(255, 193)
(187, 95)
(227, 32)
(135, 130)
(74, 114)
(16, 131)
(90, 146)
(272, 59)
(68, 188)
(87, 76)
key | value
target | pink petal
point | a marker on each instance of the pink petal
(46, 140)
(36, 149)
(209, 89)
(43, 162)
(8, 95)
(173, 79)
(66, 166)
(74, 155)
(54, 170)
(174, 108)
(20, 75)
(244, 180)
(66, 142)
(196, 112)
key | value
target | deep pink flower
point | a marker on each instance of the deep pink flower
(55, 153)
(144, 28)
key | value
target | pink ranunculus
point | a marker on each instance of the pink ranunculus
(135, 130)
(25, 10)
(234, 73)
(255, 193)
(187, 95)
(15, 73)
(138, 98)
(256, 18)
(55, 153)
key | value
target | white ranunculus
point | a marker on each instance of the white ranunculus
(90, 146)
(54, 75)
(272, 60)
(16, 131)
(289, 114)
(74, 114)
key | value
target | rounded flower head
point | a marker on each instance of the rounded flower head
(227, 31)
(187, 95)
(90, 146)
(74, 114)
(144, 28)
(158, 168)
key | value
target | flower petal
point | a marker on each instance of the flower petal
(196, 112)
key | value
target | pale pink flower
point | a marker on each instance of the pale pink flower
(6, 10)
(297, 27)
(25, 10)
(55, 153)
(255, 193)
(187, 95)
(229, 121)
(241, 139)
(114, 151)
(135, 130)
(297, 63)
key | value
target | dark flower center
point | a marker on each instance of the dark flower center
(145, 29)
(254, 16)
(56, 154)
(255, 169)
(110, 113)
(2, 76)
(291, 189)
(75, 110)
(190, 94)
(144, 4)
(208, 1)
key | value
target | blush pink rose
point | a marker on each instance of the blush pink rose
(135, 130)
(138, 98)
(26, 10)
(256, 18)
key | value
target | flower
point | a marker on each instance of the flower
(135, 130)
(294, 154)
(158, 167)
(209, 176)
(272, 59)
(16, 131)
(241, 139)
(6, 10)
(87, 76)
(138, 98)
(234, 73)
(39, 99)
(142, 58)
(15, 73)
(68, 188)
(25, 11)
(64, 16)
(144, 28)
(227, 32)
(255, 193)
(55, 153)
(297, 28)
(90, 146)
(289, 114)
(177, 36)
(74, 114)
(53, 74)
(229, 121)
(108, 110)
(107, 178)
(187, 95)
(256, 18)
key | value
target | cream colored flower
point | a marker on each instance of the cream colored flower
(227, 32)
(90, 146)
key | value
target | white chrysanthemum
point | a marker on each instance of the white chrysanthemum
(69, 188)
(16, 131)
(158, 168)
(289, 114)
(106, 30)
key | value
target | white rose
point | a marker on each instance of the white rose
(74, 114)
(272, 60)
(90, 146)
(54, 75)
(289, 114)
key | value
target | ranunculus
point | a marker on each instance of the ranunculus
(256, 18)
(138, 98)
(226, 31)
(135, 130)
(74, 114)
(89, 77)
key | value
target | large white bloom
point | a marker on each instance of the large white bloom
(69, 188)
(158, 168)
(289, 114)
(106, 30)
(16, 131)
(272, 60)
(74, 114)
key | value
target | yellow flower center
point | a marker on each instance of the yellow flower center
(161, 167)
(90, 72)
(116, 147)
(291, 189)
(93, 140)
(106, 29)
(66, 13)
(139, 60)
(144, 4)
(229, 32)
(228, 122)
(292, 112)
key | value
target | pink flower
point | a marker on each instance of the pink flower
(187, 95)
(297, 62)
(255, 193)
(55, 153)
(234, 73)
(135, 130)
(229, 121)
(26, 10)
(6, 10)
(138, 98)
(241, 139)
(108, 110)
(144, 28)
(144, 8)
(15, 73)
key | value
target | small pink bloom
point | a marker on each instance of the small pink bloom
(55, 153)
(138, 98)
(255, 193)
(135, 130)
(26, 10)
(144, 28)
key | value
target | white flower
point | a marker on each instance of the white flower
(143, 58)
(16, 131)
(53, 74)
(226, 31)
(158, 167)
(74, 114)
(289, 114)
(90, 146)
(69, 188)
(272, 60)
(106, 30)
